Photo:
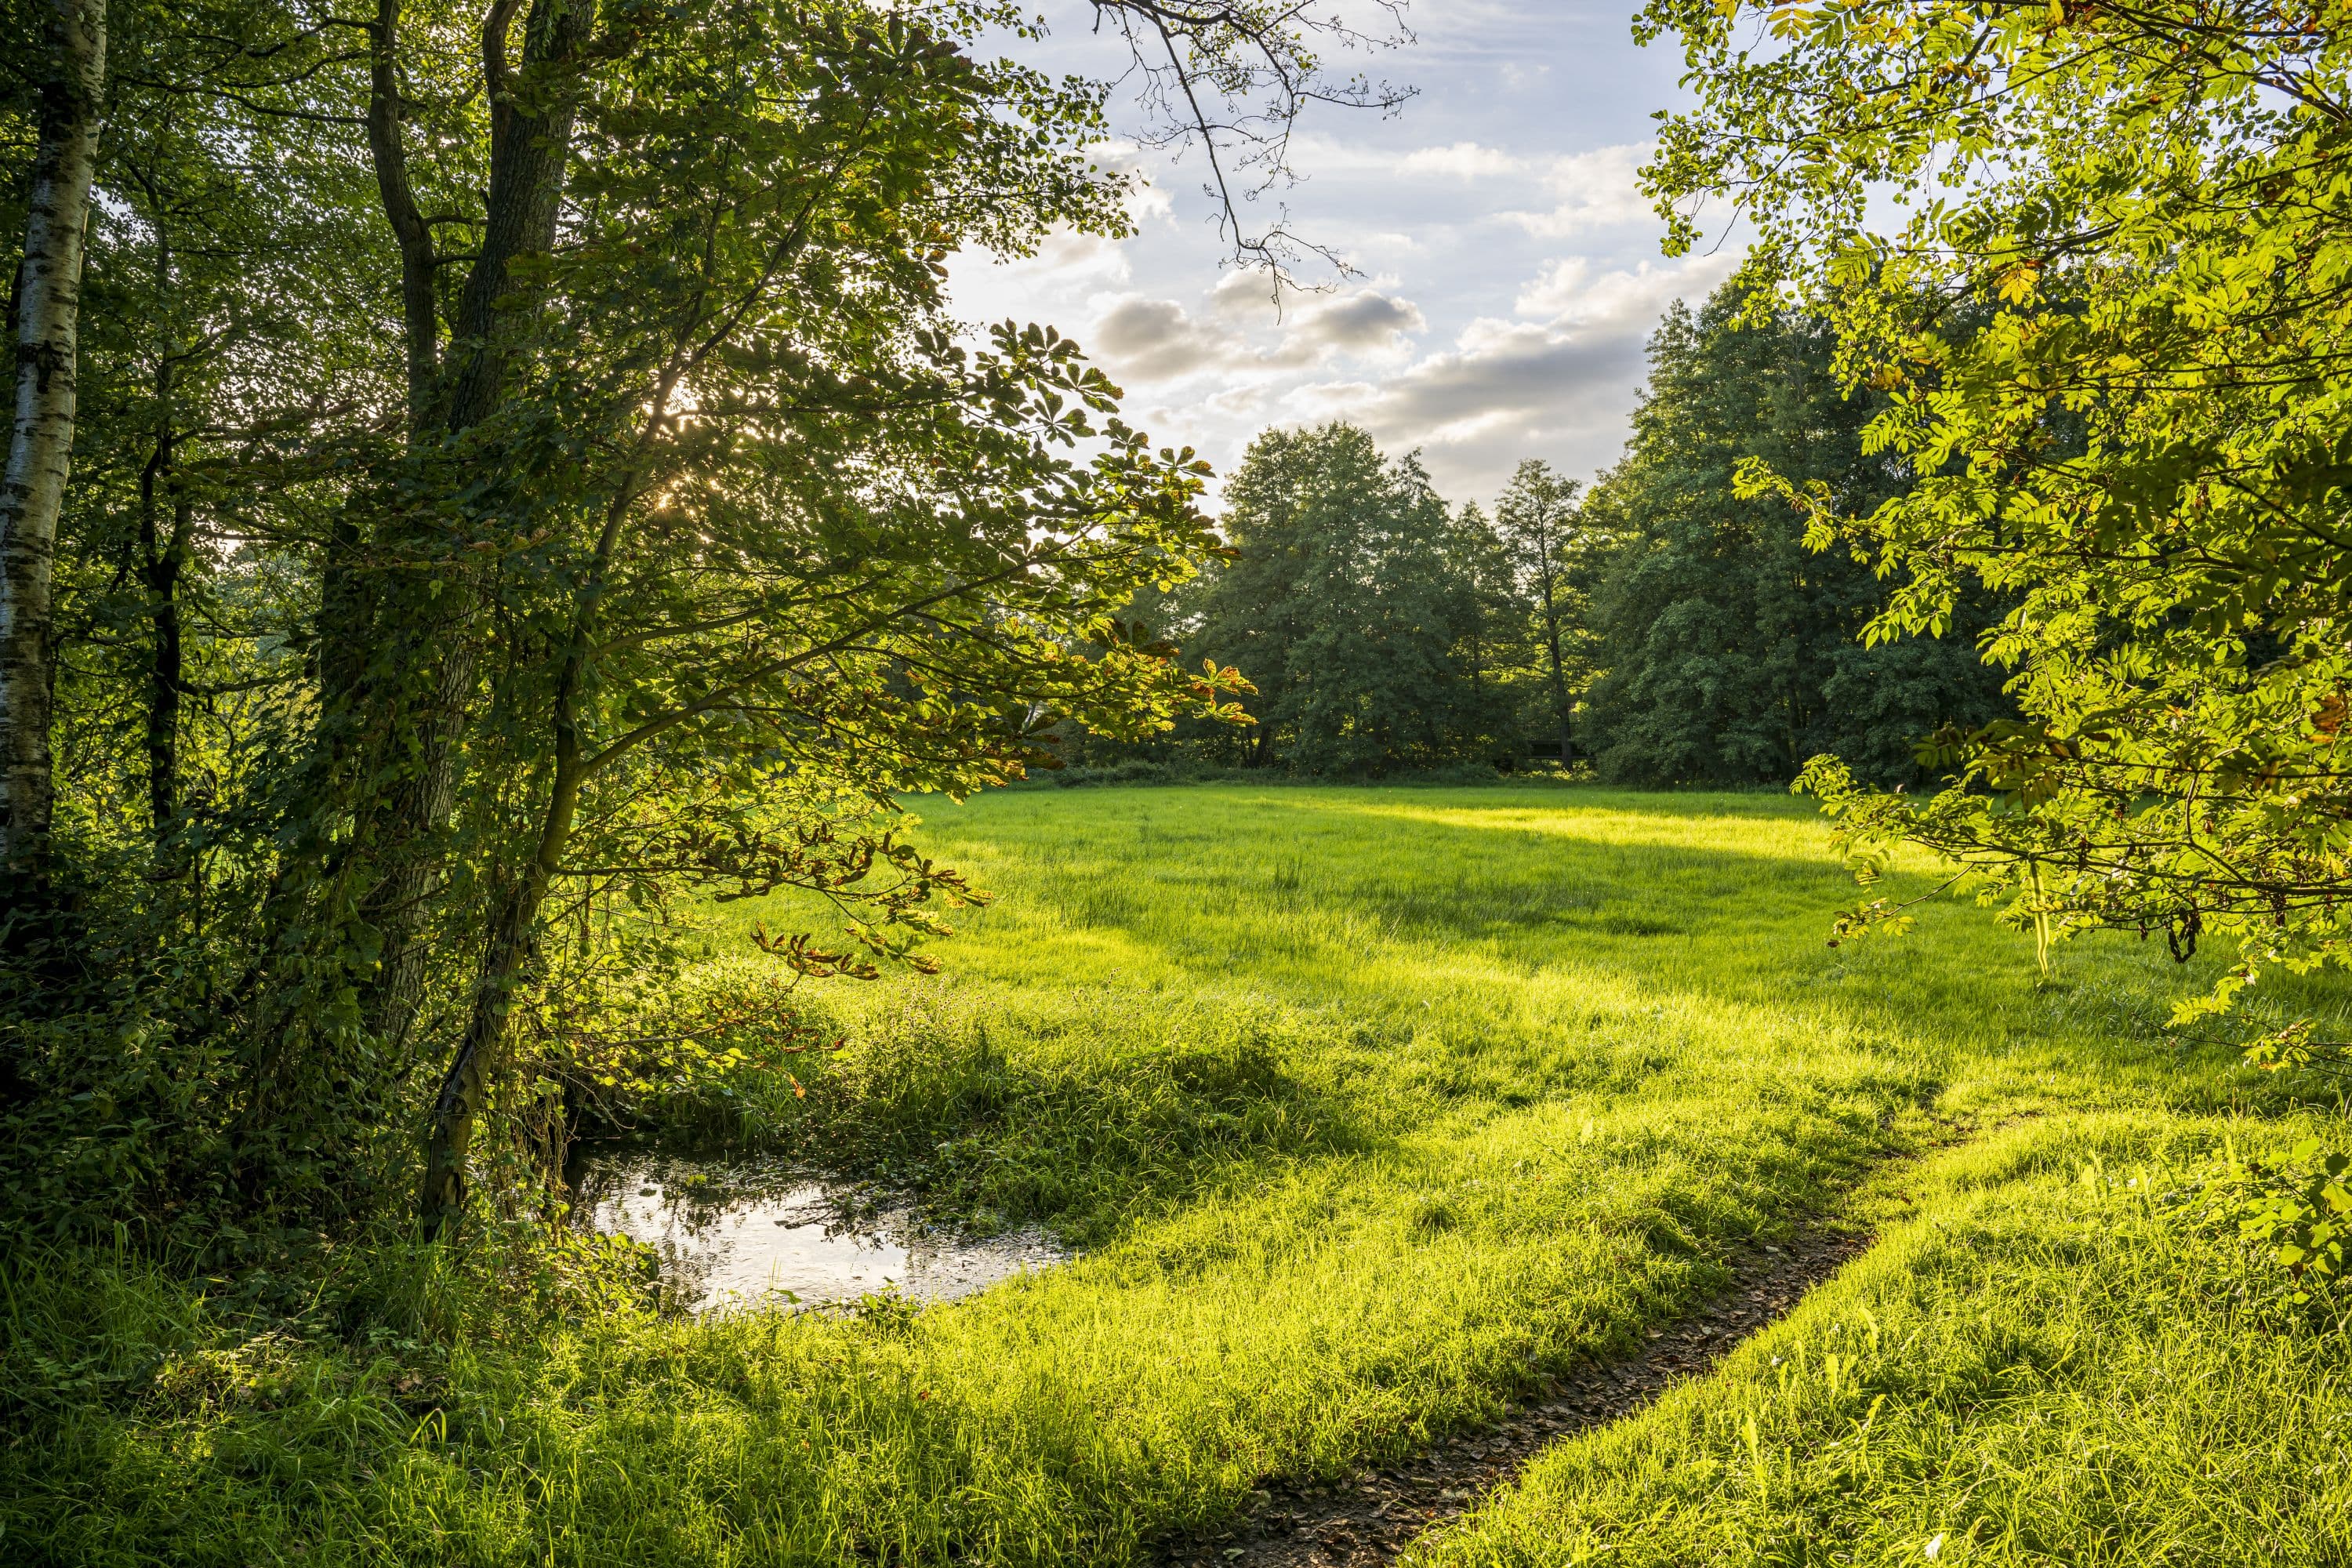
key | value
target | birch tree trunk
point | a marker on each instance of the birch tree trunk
(40, 444)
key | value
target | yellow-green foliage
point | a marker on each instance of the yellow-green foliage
(1374, 1108)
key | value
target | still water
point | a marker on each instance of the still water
(750, 1234)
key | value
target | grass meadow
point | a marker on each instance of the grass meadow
(1371, 1109)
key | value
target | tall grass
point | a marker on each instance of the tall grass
(1374, 1108)
(2037, 1367)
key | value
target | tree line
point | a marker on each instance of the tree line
(1661, 627)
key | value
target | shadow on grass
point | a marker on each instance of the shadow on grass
(945, 1101)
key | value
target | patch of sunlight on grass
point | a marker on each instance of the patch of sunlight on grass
(2033, 1365)
(1781, 830)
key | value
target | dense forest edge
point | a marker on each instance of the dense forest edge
(1660, 628)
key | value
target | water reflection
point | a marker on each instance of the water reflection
(748, 1234)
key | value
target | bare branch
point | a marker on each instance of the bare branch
(1234, 79)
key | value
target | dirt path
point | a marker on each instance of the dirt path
(1374, 1516)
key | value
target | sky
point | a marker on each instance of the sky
(1508, 268)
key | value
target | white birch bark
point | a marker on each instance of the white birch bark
(40, 444)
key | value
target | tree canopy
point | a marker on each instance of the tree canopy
(2107, 320)
(527, 469)
(1731, 653)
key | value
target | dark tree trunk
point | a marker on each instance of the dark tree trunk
(514, 938)
(428, 684)
(465, 1085)
(1558, 670)
(420, 320)
(167, 680)
(397, 632)
(507, 956)
(161, 558)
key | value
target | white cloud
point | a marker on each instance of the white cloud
(1156, 340)
(1462, 161)
(1599, 189)
(1146, 202)
(1553, 291)
(1148, 339)
(1054, 284)
(1363, 323)
(1321, 400)
(1246, 401)
(1250, 295)
(1506, 374)
(1567, 294)
(1556, 385)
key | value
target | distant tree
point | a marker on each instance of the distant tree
(1354, 603)
(1538, 517)
(1733, 651)
(1493, 646)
